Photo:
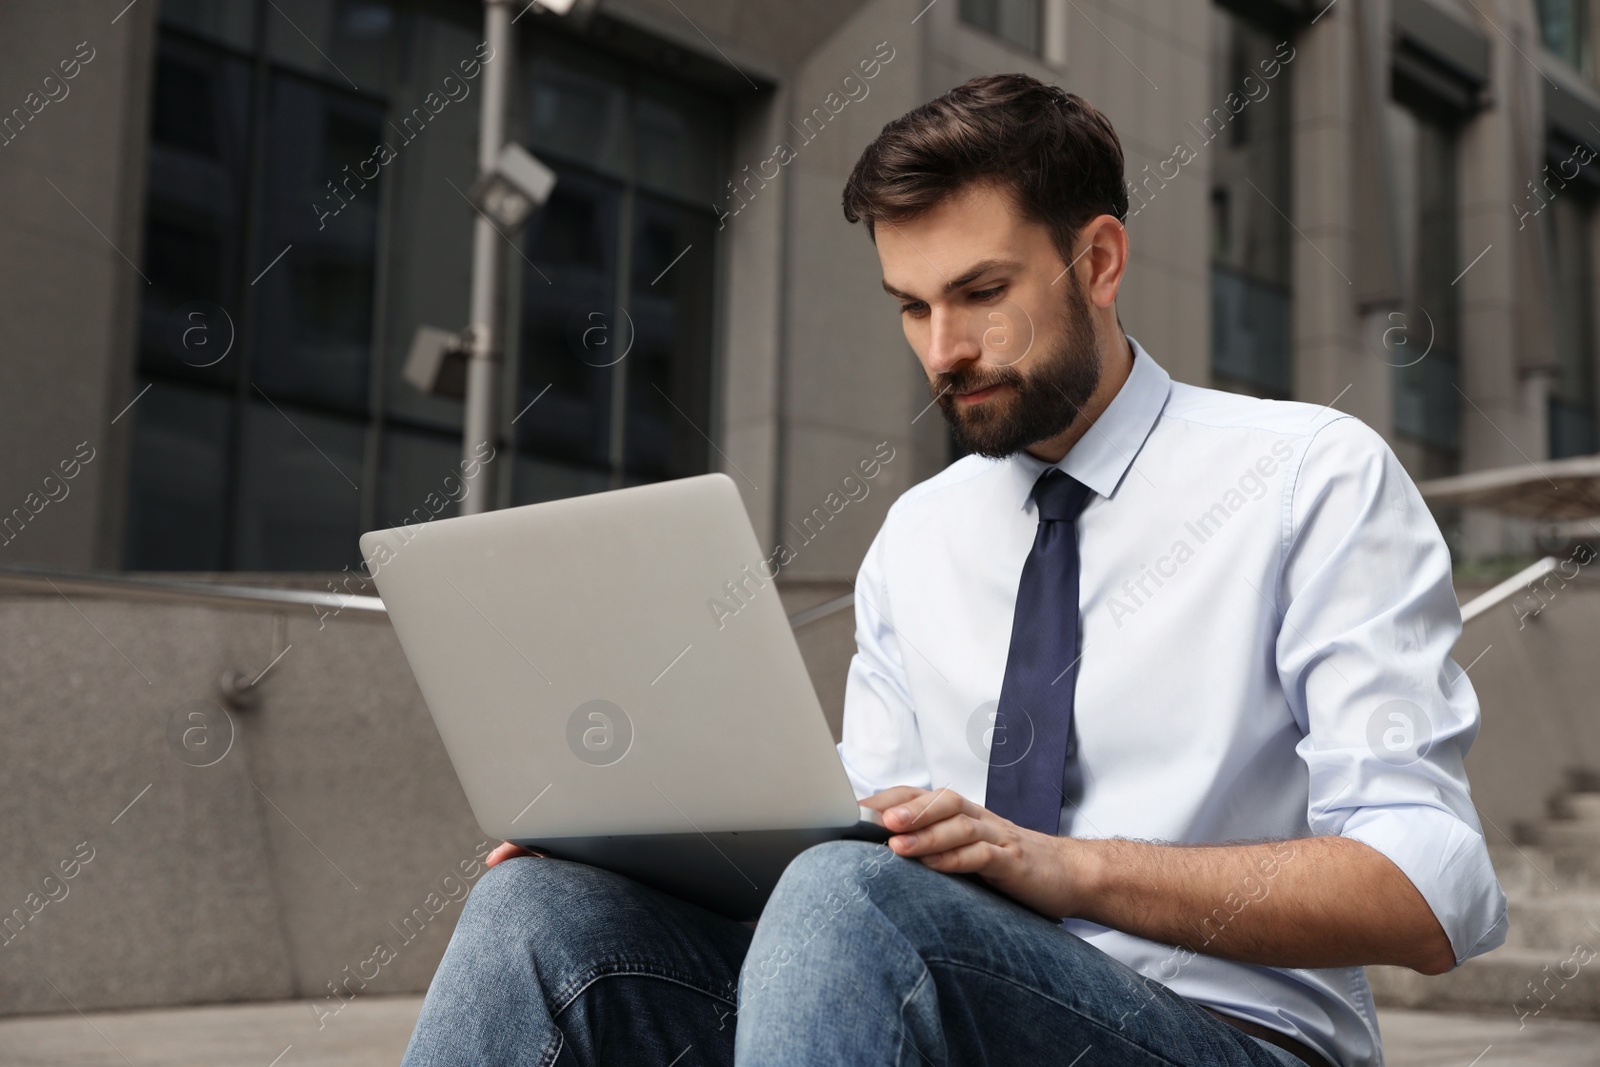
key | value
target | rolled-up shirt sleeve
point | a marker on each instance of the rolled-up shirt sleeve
(881, 745)
(1364, 655)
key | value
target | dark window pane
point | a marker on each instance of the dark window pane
(668, 371)
(428, 249)
(1248, 144)
(538, 480)
(1564, 28)
(1016, 21)
(299, 507)
(578, 108)
(177, 498)
(1569, 222)
(1427, 402)
(231, 22)
(1250, 332)
(315, 315)
(678, 137)
(193, 219)
(419, 477)
(570, 339)
(342, 41)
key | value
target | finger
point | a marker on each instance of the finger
(506, 851)
(971, 858)
(929, 838)
(898, 794)
(918, 812)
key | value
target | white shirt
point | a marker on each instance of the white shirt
(1266, 620)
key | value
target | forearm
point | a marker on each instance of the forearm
(1311, 902)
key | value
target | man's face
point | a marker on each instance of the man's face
(1000, 325)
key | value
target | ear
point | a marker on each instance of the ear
(1101, 258)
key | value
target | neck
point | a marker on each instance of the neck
(1115, 366)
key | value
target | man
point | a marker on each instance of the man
(1154, 689)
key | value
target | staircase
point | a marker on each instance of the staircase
(1550, 963)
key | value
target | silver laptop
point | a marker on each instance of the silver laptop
(617, 683)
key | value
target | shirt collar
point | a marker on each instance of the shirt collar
(1103, 455)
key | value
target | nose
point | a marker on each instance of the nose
(950, 340)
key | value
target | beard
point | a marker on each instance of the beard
(1041, 404)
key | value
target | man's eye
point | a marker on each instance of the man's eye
(988, 294)
(915, 308)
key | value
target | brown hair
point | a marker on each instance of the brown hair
(1052, 150)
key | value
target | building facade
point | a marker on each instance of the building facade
(227, 219)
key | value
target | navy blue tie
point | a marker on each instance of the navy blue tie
(1033, 723)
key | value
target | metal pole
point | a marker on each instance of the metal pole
(483, 362)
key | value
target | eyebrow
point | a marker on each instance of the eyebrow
(976, 271)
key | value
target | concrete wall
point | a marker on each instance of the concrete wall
(332, 823)
(71, 198)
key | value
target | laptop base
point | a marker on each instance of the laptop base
(730, 872)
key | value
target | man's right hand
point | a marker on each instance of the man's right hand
(507, 851)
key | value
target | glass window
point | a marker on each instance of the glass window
(420, 478)
(1247, 137)
(570, 339)
(1564, 28)
(194, 211)
(1569, 222)
(314, 326)
(615, 331)
(669, 387)
(177, 500)
(306, 211)
(345, 42)
(1427, 403)
(300, 489)
(1019, 22)
(578, 110)
(230, 24)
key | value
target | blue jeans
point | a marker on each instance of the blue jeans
(861, 957)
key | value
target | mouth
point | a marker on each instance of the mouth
(977, 396)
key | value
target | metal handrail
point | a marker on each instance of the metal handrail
(1527, 576)
(45, 579)
(50, 580)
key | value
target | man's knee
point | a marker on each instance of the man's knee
(542, 900)
(827, 880)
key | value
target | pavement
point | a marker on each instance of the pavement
(372, 1032)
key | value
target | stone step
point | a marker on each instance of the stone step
(1581, 807)
(1565, 833)
(1537, 869)
(1554, 922)
(1518, 982)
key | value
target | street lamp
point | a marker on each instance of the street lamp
(514, 188)
(511, 185)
